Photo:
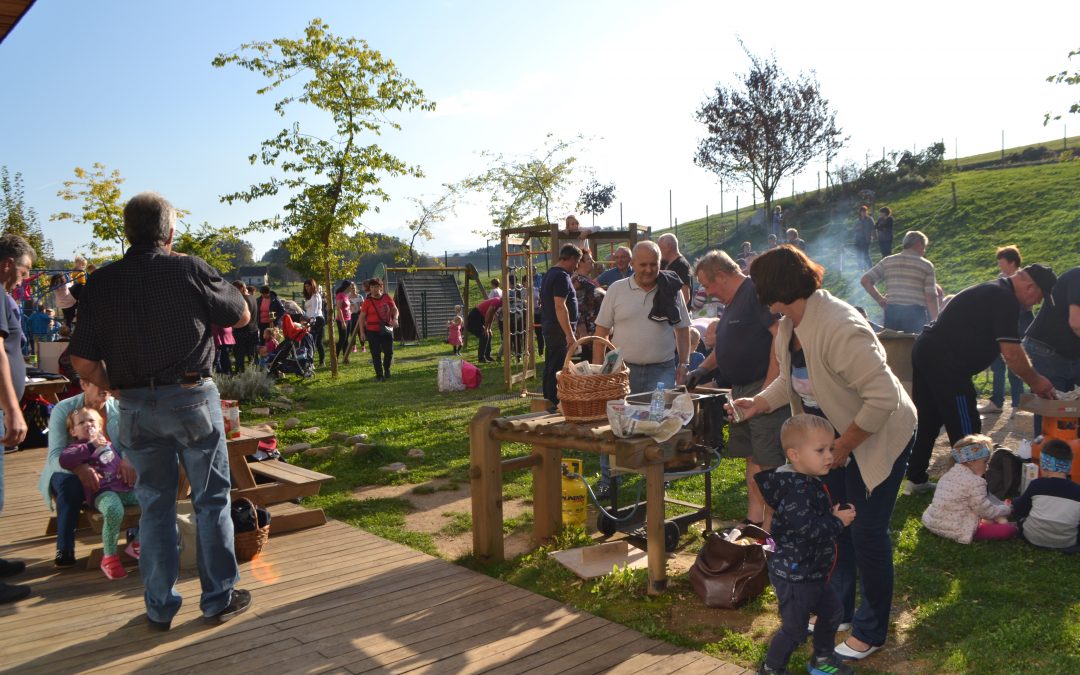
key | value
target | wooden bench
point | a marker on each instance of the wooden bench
(287, 483)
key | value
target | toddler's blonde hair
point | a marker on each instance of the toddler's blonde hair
(798, 427)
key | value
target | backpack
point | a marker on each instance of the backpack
(36, 412)
(1004, 473)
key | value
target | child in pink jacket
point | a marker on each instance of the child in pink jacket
(962, 510)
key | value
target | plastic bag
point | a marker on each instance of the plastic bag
(449, 377)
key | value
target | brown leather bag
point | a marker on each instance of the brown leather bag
(727, 575)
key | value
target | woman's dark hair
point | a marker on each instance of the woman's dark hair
(374, 281)
(343, 287)
(264, 289)
(785, 274)
(309, 288)
(885, 211)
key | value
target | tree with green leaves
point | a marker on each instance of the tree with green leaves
(766, 128)
(102, 208)
(596, 198)
(333, 180)
(1065, 77)
(525, 185)
(18, 218)
(215, 245)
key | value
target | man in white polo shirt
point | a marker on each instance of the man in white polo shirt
(655, 351)
(648, 347)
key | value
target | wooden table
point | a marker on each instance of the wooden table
(548, 434)
(48, 390)
(287, 482)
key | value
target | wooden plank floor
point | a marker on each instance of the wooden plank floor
(332, 598)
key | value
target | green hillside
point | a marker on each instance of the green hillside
(1035, 207)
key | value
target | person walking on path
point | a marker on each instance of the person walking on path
(158, 356)
(912, 300)
(379, 314)
(864, 227)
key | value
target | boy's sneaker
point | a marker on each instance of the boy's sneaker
(918, 488)
(112, 568)
(827, 665)
(238, 604)
(989, 407)
(765, 670)
(64, 559)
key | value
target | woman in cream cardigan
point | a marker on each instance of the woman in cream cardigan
(832, 364)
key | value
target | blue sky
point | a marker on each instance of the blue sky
(130, 85)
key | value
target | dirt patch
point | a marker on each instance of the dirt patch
(431, 506)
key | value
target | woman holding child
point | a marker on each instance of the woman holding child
(832, 364)
(68, 486)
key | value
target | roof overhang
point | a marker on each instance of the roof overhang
(10, 13)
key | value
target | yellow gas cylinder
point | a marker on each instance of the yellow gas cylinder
(574, 501)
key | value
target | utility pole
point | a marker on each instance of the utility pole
(706, 226)
(669, 207)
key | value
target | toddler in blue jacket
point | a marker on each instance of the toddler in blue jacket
(805, 526)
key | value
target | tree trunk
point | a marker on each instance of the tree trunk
(331, 325)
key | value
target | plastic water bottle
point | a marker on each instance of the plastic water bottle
(657, 404)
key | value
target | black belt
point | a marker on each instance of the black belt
(154, 382)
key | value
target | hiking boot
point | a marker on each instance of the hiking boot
(238, 604)
(13, 592)
(64, 559)
(827, 665)
(9, 568)
(112, 567)
(918, 488)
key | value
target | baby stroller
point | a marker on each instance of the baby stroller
(295, 354)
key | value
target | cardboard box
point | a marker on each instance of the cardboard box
(1048, 408)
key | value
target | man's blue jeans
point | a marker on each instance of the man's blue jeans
(1063, 373)
(865, 548)
(997, 393)
(907, 318)
(159, 428)
(643, 378)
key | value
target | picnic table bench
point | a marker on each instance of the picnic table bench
(286, 482)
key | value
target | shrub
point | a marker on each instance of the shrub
(250, 385)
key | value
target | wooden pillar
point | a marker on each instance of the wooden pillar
(654, 527)
(547, 493)
(485, 475)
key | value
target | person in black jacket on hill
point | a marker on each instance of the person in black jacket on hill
(805, 526)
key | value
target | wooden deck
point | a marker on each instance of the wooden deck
(332, 598)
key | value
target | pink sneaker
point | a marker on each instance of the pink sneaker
(112, 568)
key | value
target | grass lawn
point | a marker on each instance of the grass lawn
(987, 607)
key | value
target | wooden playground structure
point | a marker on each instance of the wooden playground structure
(519, 343)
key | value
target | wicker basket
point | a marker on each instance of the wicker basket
(249, 544)
(584, 397)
